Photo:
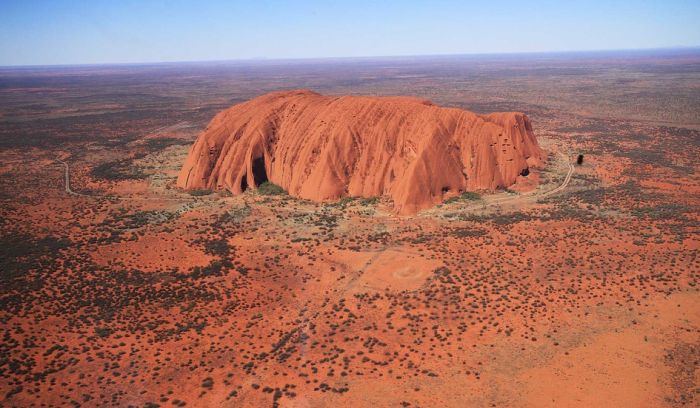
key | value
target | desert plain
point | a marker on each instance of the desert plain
(575, 287)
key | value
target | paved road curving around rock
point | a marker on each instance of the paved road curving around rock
(70, 191)
(67, 180)
(563, 185)
(530, 195)
(497, 200)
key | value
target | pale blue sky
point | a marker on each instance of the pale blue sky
(78, 32)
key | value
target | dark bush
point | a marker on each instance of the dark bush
(465, 196)
(117, 170)
(268, 188)
(199, 193)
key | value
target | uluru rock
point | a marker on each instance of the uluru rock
(326, 147)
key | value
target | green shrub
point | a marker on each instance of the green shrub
(198, 193)
(208, 383)
(117, 170)
(369, 201)
(103, 331)
(268, 188)
(465, 196)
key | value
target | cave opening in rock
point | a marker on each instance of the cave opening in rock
(244, 182)
(525, 172)
(259, 173)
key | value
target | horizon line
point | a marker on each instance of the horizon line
(366, 57)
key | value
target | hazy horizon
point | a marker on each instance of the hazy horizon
(44, 33)
(628, 52)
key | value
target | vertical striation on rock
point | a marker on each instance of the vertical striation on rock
(326, 147)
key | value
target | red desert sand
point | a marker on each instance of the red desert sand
(326, 147)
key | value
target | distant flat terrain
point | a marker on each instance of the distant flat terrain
(576, 287)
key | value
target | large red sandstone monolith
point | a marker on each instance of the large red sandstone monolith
(326, 147)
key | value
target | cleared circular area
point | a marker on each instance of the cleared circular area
(397, 270)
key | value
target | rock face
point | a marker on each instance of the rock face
(326, 147)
